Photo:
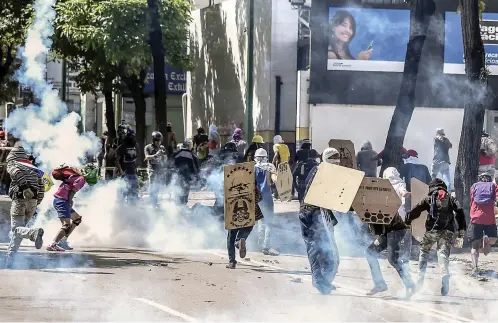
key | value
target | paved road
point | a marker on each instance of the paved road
(137, 284)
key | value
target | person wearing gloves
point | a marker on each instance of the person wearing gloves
(317, 228)
(281, 151)
(257, 142)
(390, 237)
(26, 191)
(444, 211)
(263, 171)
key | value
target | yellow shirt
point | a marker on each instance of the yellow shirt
(283, 152)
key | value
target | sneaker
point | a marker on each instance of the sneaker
(485, 245)
(54, 247)
(64, 245)
(475, 272)
(445, 285)
(377, 289)
(38, 238)
(242, 248)
(410, 290)
(231, 265)
(270, 252)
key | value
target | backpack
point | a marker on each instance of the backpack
(64, 172)
(484, 192)
(304, 168)
(91, 174)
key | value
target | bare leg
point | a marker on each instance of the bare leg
(474, 252)
(75, 221)
(66, 224)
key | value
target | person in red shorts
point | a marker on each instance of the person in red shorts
(482, 228)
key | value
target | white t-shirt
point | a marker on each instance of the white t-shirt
(400, 188)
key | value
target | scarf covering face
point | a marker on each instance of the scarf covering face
(237, 135)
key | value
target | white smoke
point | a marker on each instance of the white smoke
(48, 130)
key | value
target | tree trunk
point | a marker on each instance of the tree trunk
(157, 49)
(136, 86)
(474, 103)
(109, 109)
(419, 24)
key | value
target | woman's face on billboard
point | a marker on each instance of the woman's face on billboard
(344, 31)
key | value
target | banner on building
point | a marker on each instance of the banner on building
(240, 204)
(365, 39)
(453, 42)
(176, 80)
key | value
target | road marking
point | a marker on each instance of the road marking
(441, 315)
(167, 309)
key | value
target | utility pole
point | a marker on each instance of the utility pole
(64, 79)
(250, 73)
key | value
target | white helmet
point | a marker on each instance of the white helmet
(260, 153)
(277, 139)
(328, 153)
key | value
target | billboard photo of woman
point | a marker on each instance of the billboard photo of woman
(367, 39)
(342, 32)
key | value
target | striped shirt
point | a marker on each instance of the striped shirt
(23, 176)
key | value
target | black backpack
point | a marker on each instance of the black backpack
(304, 168)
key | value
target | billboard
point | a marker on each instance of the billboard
(365, 39)
(176, 80)
(453, 42)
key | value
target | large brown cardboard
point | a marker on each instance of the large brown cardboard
(284, 182)
(205, 198)
(346, 150)
(239, 196)
(419, 192)
(334, 187)
(376, 201)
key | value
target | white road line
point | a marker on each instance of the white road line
(167, 309)
(441, 315)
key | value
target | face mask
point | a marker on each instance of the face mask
(333, 161)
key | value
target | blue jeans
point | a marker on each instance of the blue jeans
(319, 239)
(442, 169)
(131, 190)
(233, 238)
(395, 255)
(265, 225)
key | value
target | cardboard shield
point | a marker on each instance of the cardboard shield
(239, 196)
(419, 192)
(346, 150)
(376, 201)
(284, 182)
(204, 198)
(334, 187)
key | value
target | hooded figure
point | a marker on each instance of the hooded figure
(302, 171)
(444, 211)
(414, 168)
(26, 191)
(238, 139)
(187, 168)
(303, 153)
(390, 237)
(487, 156)
(317, 228)
(367, 159)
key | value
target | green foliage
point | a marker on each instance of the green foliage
(482, 8)
(115, 32)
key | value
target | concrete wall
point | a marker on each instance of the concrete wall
(217, 86)
(359, 123)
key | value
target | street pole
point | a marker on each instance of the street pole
(64, 80)
(250, 73)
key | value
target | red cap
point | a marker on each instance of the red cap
(412, 153)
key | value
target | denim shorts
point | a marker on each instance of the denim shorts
(62, 207)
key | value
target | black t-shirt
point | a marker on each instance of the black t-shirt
(151, 150)
(127, 156)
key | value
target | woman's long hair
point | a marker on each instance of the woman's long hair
(337, 19)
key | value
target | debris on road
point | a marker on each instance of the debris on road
(296, 280)
(209, 263)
